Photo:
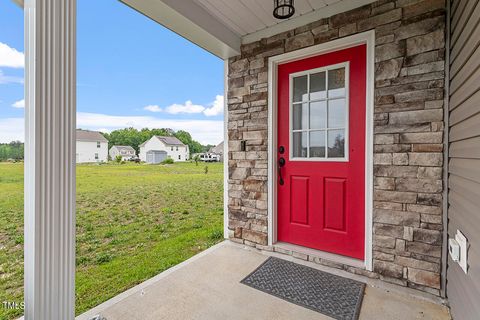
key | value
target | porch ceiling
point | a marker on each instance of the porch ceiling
(221, 26)
(249, 16)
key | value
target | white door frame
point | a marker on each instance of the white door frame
(367, 38)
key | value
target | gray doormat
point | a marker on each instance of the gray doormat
(332, 295)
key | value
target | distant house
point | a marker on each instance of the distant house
(92, 146)
(174, 148)
(126, 152)
(217, 151)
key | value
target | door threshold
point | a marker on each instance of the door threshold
(336, 258)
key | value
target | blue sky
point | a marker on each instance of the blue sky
(131, 71)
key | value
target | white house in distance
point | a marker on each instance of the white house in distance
(175, 148)
(217, 150)
(92, 146)
(126, 152)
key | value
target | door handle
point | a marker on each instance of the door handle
(281, 163)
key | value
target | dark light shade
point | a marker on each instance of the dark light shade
(283, 9)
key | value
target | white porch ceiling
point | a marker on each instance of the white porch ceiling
(249, 16)
(221, 26)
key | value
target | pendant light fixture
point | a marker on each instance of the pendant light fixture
(283, 9)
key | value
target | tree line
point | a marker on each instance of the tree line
(124, 137)
(134, 138)
(11, 151)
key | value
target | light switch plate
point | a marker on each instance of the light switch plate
(463, 243)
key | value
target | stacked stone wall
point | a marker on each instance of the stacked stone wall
(408, 135)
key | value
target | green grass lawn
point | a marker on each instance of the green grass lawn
(133, 221)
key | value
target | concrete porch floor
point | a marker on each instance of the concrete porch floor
(207, 286)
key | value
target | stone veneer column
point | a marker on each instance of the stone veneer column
(408, 135)
(50, 121)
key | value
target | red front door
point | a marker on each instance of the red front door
(321, 152)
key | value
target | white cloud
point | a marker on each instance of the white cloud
(216, 108)
(9, 79)
(20, 104)
(11, 129)
(188, 107)
(153, 108)
(204, 131)
(10, 57)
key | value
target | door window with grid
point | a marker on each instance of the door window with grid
(319, 114)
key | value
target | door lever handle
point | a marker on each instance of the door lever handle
(281, 163)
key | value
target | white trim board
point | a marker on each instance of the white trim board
(225, 150)
(367, 38)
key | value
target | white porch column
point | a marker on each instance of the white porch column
(50, 94)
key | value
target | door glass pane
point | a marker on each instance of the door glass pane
(299, 144)
(336, 113)
(317, 86)
(318, 115)
(300, 116)
(336, 143)
(336, 83)
(300, 89)
(317, 144)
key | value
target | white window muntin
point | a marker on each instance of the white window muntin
(325, 69)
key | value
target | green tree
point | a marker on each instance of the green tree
(134, 138)
(13, 150)
(125, 137)
(186, 138)
(207, 147)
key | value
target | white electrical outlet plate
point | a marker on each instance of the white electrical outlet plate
(454, 249)
(463, 243)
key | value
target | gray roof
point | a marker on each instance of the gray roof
(170, 140)
(87, 135)
(126, 148)
(217, 149)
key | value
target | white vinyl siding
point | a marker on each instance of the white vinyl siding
(463, 290)
(86, 151)
(178, 153)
